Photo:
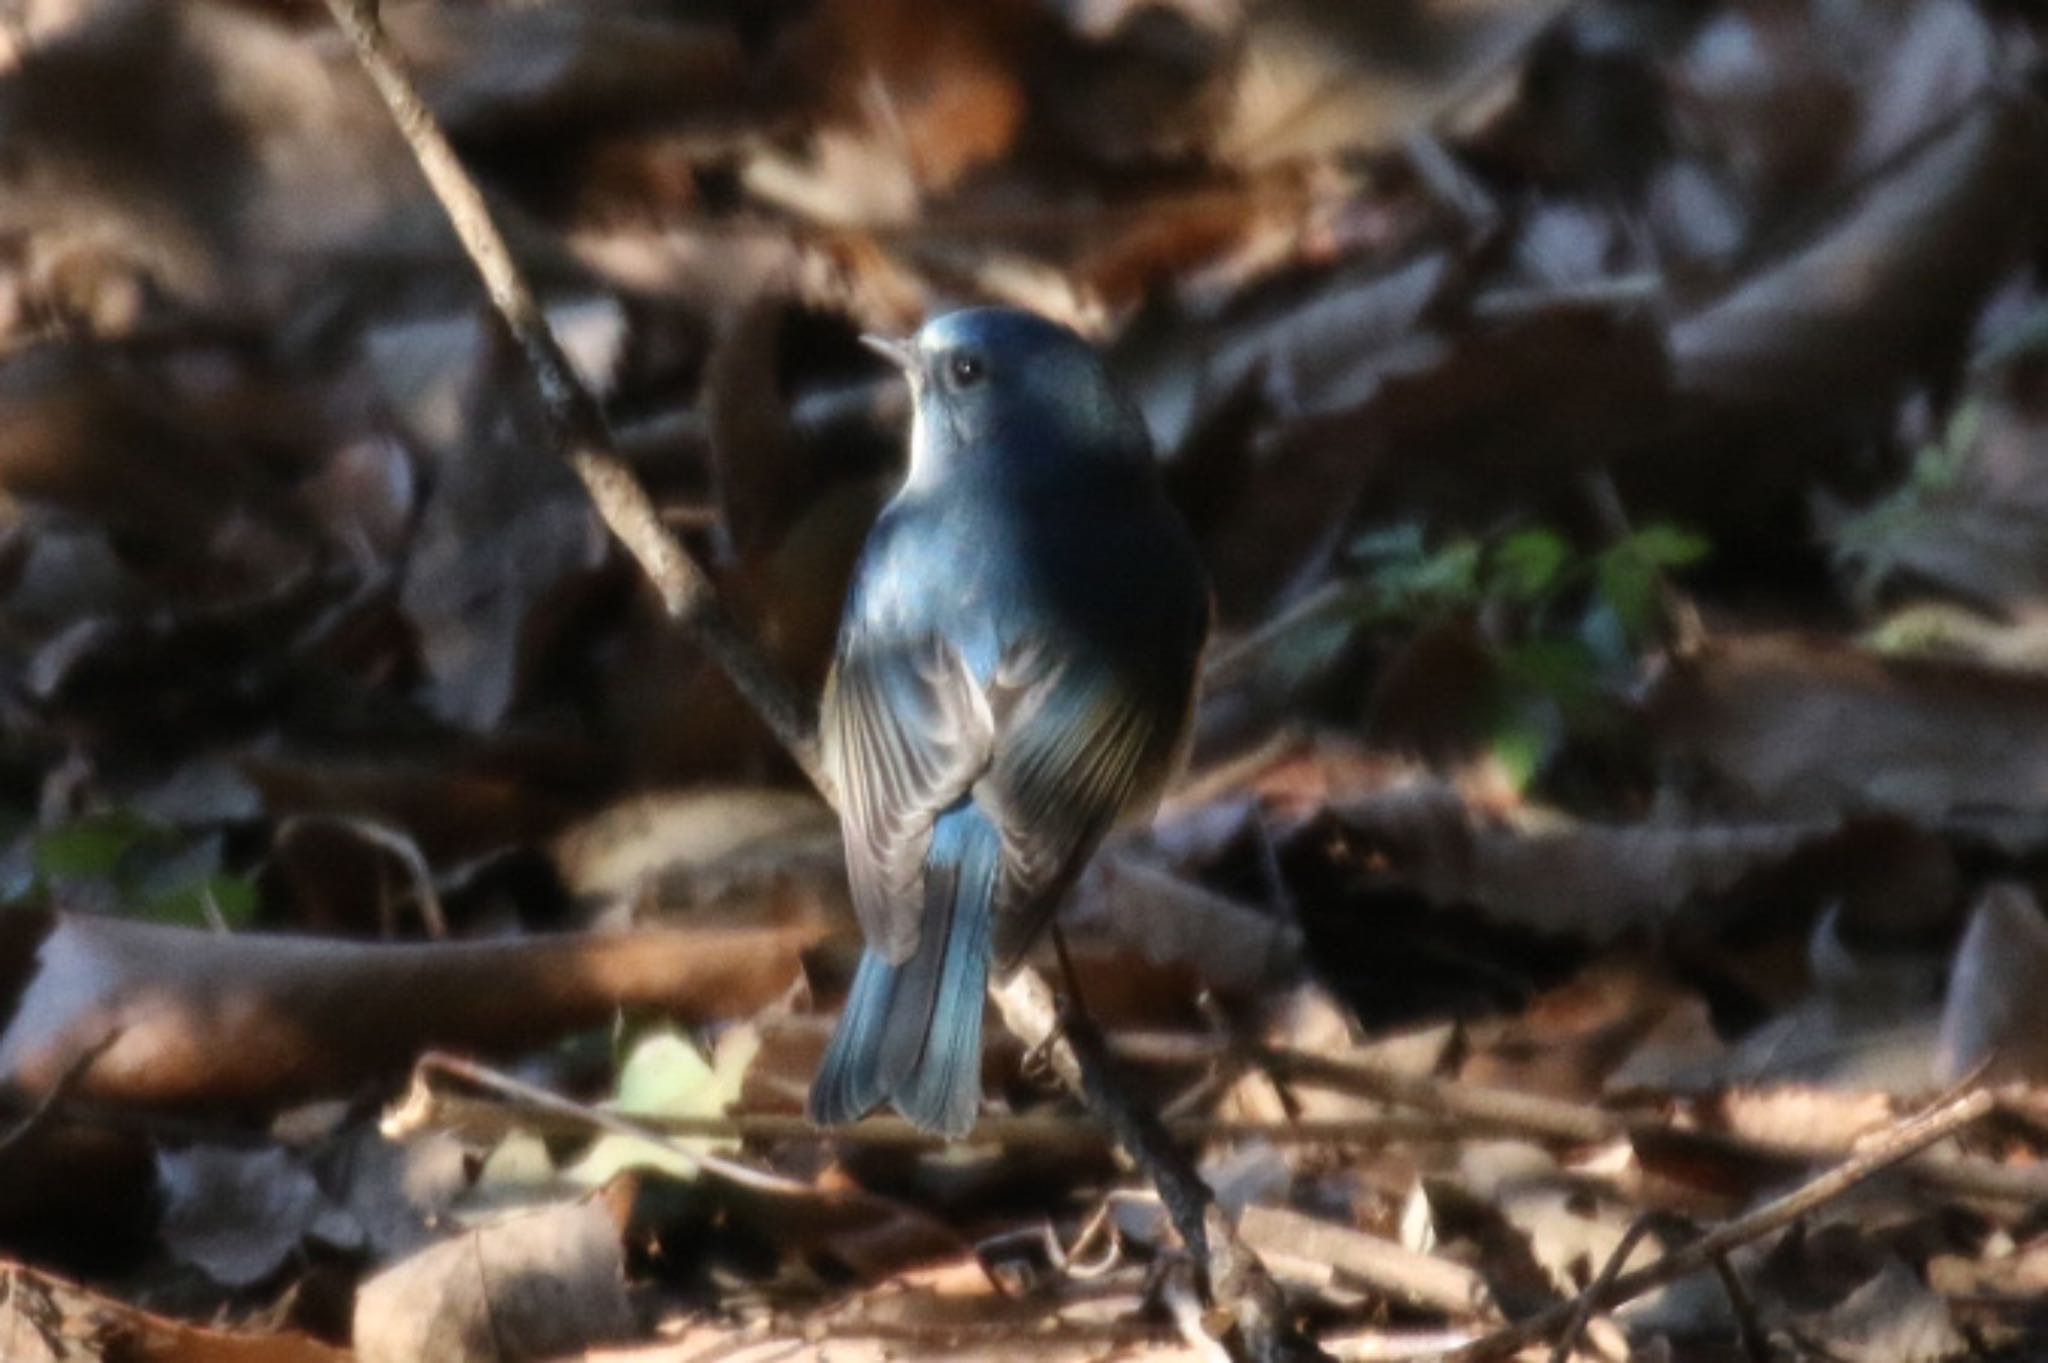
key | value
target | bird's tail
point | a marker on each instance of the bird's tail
(911, 1033)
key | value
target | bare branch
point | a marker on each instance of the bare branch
(575, 422)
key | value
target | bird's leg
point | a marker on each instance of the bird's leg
(1069, 976)
(1231, 1271)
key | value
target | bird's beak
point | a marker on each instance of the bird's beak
(902, 354)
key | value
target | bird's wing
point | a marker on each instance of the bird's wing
(907, 731)
(1076, 748)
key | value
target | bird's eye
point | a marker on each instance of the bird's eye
(965, 369)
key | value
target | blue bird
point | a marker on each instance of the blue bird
(1015, 672)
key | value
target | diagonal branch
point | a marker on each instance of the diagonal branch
(575, 421)
(1901, 1142)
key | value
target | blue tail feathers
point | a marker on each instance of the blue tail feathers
(911, 1033)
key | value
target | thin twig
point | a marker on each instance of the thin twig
(437, 1109)
(1506, 1112)
(575, 421)
(1497, 1109)
(386, 838)
(1582, 1310)
(1901, 1142)
(1756, 1345)
(597, 1119)
(586, 1117)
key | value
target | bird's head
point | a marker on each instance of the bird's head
(1009, 391)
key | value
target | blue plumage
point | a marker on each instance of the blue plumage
(1015, 669)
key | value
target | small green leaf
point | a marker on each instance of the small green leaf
(1521, 744)
(1628, 585)
(1563, 670)
(1528, 564)
(91, 847)
(1665, 546)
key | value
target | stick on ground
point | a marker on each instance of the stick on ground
(1901, 1142)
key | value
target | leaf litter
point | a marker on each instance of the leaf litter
(1617, 797)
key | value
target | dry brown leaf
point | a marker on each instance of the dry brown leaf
(1173, 920)
(1799, 725)
(1890, 284)
(1549, 873)
(496, 75)
(197, 491)
(1313, 82)
(533, 1286)
(1570, 1041)
(1798, 1118)
(936, 80)
(240, 1215)
(1974, 531)
(44, 1319)
(506, 546)
(201, 149)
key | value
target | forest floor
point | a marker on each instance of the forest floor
(1600, 917)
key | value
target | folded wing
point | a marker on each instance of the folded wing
(907, 732)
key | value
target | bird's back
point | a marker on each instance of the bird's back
(1102, 564)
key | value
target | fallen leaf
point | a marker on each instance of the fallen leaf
(1893, 1318)
(1802, 726)
(240, 1215)
(531, 1286)
(1996, 1014)
(44, 1319)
